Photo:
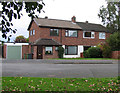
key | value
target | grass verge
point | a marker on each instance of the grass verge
(60, 85)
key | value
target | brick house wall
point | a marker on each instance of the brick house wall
(34, 52)
(54, 55)
(25, 50)
(45, 33)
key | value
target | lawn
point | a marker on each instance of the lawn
(60, 85)
(83, 59)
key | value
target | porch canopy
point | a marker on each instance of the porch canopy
(45, 41)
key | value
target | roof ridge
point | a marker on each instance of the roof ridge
(54, 19)
(89, 23)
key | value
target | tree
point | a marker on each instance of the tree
(110, 16)
(13, 10)
(114, 41)
(20, 39)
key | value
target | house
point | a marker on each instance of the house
(45, 35)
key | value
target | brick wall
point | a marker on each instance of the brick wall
(5, 47)
(25, 50)
(45, 33)
(54, 55)
(115, 54)
(34, 52)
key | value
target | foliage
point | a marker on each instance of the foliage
(93, 52)
(110, 16)
(27, 39)
(12, 10)
(106, 51)
(114, 41)
(86, 54)
(60, 51)
(20, 39)
(61, 85)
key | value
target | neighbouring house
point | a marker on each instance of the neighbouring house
(46, 35)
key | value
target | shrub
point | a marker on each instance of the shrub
(93, 52)
(106, 51)
(114, 41)
(60, 51)
(86, 54)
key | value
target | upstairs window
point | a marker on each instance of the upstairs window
(33, 32)
(101, 35)
(71, 33)
(54, 32)
(87, 34)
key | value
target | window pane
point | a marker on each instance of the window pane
(48, 50)
(54, 32)
(72, 50)
(73, 33)
(33, 32)
(101, 35)
(87, 34)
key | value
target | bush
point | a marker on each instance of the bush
(106, 51)
(114, 41)
(60, 51)
(93, 52)
(86, 54)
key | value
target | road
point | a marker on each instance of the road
(59, 70)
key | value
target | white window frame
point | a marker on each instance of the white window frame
(92, 34)
(102, 35)
(67, 34)
(33, 31)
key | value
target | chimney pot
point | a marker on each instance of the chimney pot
(46, 17)
(86, 21)
(73, 19)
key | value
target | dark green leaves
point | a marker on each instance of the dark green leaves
(110, 16)
(12, 10)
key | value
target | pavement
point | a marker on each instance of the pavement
(50, 61)
(41, 68)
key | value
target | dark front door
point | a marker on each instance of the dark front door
(39, 52)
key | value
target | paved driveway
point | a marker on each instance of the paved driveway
(37, 69)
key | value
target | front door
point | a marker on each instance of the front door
(39, 52)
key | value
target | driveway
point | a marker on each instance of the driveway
(39, 69)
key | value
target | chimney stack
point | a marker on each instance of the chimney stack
(73, 19)
(86, 21)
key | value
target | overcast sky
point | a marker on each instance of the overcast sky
(84, 10)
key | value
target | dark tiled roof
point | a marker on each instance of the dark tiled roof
(92, 27)
(45, 41)
(56, 23)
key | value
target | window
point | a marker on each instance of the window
(54, 32)
(33, 32)
(101, 35)
(48, 50)
(71, 33)
(86, 47)
(88, 34)
(71, 50)
(56, 48)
